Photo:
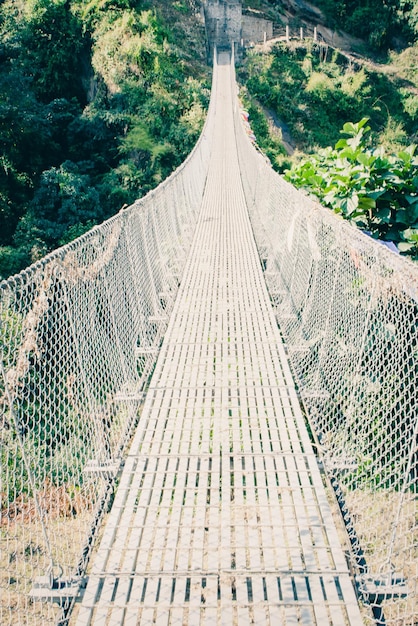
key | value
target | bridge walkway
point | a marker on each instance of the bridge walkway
(221, 516)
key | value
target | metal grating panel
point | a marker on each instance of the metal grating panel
(221, 516)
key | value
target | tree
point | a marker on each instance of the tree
(376, 21)
(408, 11)
(63, 200)
(54, 44)
(23, 131)
(376, 191)
(79, 80)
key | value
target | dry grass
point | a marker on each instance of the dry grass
(24, 556)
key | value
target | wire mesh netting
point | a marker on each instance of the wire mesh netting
(347, 308)
(80, 332)
(221, 516)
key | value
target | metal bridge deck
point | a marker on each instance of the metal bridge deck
(221, 516)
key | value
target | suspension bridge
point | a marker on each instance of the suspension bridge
(209, 410)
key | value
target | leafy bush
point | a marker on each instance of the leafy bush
(53, 38)
(377, 22)
(313, 97)
(64, 199)
(269, 142)
(96, 108)
(373, 189)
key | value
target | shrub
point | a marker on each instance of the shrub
(375, 190)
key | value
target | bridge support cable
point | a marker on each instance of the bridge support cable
(221, 515)
(80, 333)
(347, 309)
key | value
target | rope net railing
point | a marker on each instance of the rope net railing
(80, 332)
(348, 311)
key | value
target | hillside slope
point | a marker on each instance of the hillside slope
(100, 100)
(301, 95)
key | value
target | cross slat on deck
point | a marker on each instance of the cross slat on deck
(221, 516)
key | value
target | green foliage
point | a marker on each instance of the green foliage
(64, 199)
(96, 108)
(52, 36)
(313, 97)
(378, 22)
(408, 11)
(269, 142)
(181, 7)
(375, 190)
(56, 446)
(12, 260)
(406, 65)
